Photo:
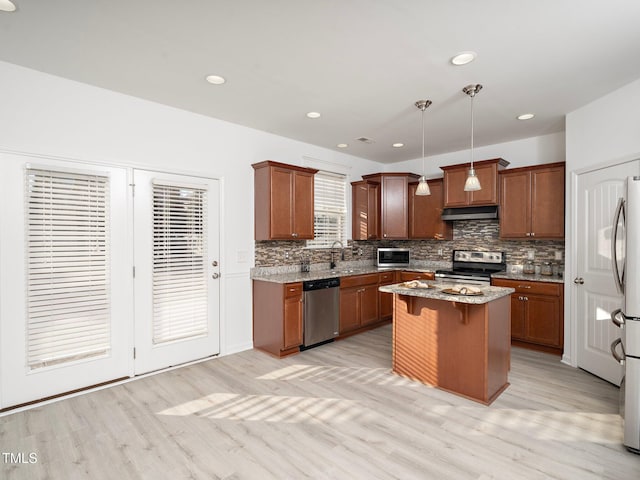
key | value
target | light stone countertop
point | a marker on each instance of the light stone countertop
(529, 277)
(348, 270)
(293, 277)
(489, 293)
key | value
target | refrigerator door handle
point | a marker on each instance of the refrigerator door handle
(617, 317)
(614, 345)
(618, 276)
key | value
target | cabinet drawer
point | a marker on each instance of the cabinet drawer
(387, 277)
(409, 276)
(524, 286)
(292, 289)
(359, 280)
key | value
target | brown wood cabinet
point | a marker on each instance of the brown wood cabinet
(425, 213)
(394, 203)
(385, 300)
(277, 317)
(532, 202)
(456, 175)
(365, 203)
(358, 301)
(409, 276)
(537, 314)
(283, 196)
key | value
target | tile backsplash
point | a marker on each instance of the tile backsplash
(467, 235)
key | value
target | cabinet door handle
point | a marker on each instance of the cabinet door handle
(578, 280)
(524, 286)
(385, 235)
(533, 234)
(525, 299)
(528, 234)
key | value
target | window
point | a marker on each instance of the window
(179, 262)
(330, 209)
(68, 287)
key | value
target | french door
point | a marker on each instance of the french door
(596, 294)
(65, 282)
(176, 257)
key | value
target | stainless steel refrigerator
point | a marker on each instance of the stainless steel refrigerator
(626, 268)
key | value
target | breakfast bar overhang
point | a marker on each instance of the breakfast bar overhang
(458, 343)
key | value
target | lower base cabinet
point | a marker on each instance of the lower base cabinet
(277, 317)
(537, 314)
(385, 300)
(358, 302)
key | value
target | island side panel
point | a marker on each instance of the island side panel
(499, 345)
(441, 343)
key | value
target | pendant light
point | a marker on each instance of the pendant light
(423, 186)
(472, 184)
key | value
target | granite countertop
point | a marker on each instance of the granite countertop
(529, 277)
(292, 277)
(489, 293)
(348, 270)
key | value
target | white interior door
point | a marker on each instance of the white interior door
(65, 279)
(597, 297)
(176, 257)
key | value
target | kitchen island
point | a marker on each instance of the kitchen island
(458, 343)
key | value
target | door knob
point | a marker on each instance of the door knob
(214, 263)
(578, 280)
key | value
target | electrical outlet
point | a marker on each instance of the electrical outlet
(440, 252)
(286, 255)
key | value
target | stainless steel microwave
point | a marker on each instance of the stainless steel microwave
(393, 257)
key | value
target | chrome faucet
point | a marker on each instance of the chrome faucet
(332, 265)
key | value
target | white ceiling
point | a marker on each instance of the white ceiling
(361, 63)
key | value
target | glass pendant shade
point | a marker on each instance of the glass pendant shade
(472, 184)
(423, 187)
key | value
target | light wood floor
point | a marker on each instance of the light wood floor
(333, 412)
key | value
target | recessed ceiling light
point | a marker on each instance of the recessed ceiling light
(7, 6)
(463, 58)
(214, 79)
(526, 116)
(342, 145)
(398, 145)
(313, 115)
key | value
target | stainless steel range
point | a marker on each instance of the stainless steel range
(474, 267)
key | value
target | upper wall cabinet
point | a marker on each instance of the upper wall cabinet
(394, 203)
(425, 213)
(456, 175)
(283, 196)
(532, 202)
(365, 223)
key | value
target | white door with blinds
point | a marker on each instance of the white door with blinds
(176, 257)
(65, 286)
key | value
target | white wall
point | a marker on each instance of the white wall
(51, 116)
(603, 132)
(529, 151)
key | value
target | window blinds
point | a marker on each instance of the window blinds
(67, 254)
(330, 209)
(179, 262)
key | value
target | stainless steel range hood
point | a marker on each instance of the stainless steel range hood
(471, 213)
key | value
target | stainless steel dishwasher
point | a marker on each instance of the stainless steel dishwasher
(321, 311)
